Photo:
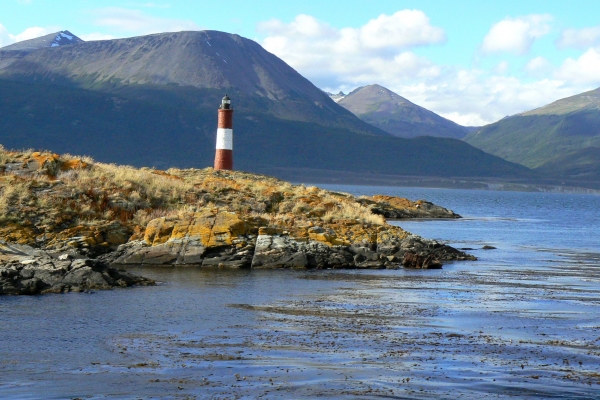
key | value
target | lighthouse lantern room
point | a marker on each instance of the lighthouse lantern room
(224, 150)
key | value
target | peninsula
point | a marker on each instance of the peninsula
(64, 213)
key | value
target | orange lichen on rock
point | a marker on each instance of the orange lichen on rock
(211, 228)
(75, 163)
(109, 234)
(391, 233)
(16, 233)
(398, 202)
(43, 158)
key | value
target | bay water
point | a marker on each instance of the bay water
(523, 321)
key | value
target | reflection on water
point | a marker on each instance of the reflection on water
(521, 322)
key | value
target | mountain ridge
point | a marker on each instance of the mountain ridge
(200, 59)
(397, 115)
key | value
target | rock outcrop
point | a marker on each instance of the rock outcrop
(412, 260)
(215, 238)
(108, 214)
(45, 274)
(399, 208)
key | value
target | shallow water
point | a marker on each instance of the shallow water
(521, 322)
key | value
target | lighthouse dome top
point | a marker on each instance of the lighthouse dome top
(226, 102)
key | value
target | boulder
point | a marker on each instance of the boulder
(412, 260)
(208, 238)
(399, 208)
(282, 251)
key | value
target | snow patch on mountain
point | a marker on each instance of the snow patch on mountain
(336, 96)
(64, 38)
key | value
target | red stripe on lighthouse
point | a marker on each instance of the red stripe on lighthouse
(224, 148)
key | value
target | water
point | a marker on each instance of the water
(520, 322)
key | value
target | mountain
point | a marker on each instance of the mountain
(561, 138)
(152, 100)
(205, 60)
(396, 115)
(56, 39)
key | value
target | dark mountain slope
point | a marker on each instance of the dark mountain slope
(551, 138)
(114, 128)
(204, 60)
(396, 115)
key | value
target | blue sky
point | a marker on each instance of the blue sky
(471, 61)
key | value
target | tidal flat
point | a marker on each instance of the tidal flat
(470, 330)
(483, 333)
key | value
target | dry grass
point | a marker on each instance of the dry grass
(101, 193)
(353, 211)
(13, 196)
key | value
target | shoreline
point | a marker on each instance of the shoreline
(69, 208)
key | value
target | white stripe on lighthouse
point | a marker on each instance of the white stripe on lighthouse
(225, 138)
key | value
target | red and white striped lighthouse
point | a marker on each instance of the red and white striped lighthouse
(224, 153)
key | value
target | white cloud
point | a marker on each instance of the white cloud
(579, 38)
(136, 22)
(342, 59)
(403, 29)
(584, 70)
(516, 35)
(502, 68)
(96, 36)
(32, 33)
(378, 49)
(472, 97)
(7, 38)
(538, 67)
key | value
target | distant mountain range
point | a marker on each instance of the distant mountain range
(396, 115)
(152, 100)
(561, 139)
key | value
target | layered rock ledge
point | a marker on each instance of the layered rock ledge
(37, 272)
(217, 238)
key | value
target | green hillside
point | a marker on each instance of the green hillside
(553, 138)
(583, 165)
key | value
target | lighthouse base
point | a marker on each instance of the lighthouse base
(224, 159)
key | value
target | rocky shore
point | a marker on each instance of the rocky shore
(222, 239)
(32, 271)
(84, 216)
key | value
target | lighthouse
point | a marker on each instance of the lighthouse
(224, 152)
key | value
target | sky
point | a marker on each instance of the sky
(473, 62)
